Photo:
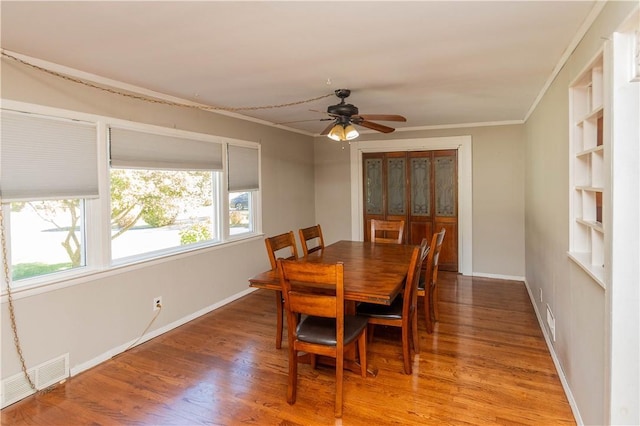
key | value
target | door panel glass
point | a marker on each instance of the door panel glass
(420, 186)
(445, 186)
(373, 185)
(396, 172)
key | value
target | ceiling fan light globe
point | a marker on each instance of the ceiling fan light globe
(337, 133)
(350, 132)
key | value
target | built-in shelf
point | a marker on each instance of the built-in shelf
(597, 226)
(588, 180)
(594, 150)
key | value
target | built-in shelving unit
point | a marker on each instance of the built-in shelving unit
(588, 181)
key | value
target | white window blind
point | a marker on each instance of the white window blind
(45, 157)
(142, 150)
(243, 168)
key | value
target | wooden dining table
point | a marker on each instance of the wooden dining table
(373, 273)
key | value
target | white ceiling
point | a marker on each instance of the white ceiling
(435, 62)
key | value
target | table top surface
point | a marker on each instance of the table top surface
(373, 272)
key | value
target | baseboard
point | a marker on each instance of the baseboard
(497, 276)
(556, 360)
(155, 333)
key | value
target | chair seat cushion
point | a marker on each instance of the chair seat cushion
(393, 311)
(323, 330)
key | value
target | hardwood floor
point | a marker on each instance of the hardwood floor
(485, 363)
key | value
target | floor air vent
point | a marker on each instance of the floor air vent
(44, 375)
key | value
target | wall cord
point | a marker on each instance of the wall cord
(159, 306)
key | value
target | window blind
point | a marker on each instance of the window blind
(243, 168)
(142, 150)
(44, 158)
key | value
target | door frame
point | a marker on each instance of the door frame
(465, 195)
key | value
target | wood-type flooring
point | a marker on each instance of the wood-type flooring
(486, 363)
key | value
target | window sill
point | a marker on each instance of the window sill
(584, 261)
(82, 275)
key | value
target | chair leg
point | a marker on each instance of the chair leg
(313, 361)
(427, 312)
(434, 302)
(293, 375)
(370, 328)
(339, 374)
(362, 353)
(406, 352)
(279, 314)
(414, 331)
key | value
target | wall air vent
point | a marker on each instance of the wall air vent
(44, 375)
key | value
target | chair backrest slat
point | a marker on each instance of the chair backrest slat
(279, 243)
(319, 288)
(391, 231)
(313, 304)
(309, 234)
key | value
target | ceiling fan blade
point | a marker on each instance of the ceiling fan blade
(327, 129)
(302, 121)
(375, 126)
(382, 117)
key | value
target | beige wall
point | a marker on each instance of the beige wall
(498, 193)
(578, 303)
(100, 315)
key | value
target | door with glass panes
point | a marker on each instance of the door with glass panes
(419, 187)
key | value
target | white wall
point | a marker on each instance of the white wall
(100, 315)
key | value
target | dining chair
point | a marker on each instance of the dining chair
(314, 234)
(429, 292)
(316, 322)
(284, 246)
(403, 310)
(385, 228)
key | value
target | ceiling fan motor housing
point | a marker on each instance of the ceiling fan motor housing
(343, 109)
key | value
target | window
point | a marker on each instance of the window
(46, 237)
(155, 210)
(243, 183)
(48, 169)
(163, 191)
(240, 213)
(167, 191)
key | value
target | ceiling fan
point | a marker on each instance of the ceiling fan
(345, 115)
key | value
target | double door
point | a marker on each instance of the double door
(419, 187)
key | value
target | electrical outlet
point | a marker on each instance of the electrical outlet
(157, 303)
(540, 294)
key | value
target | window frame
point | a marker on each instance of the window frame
(98, 210)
